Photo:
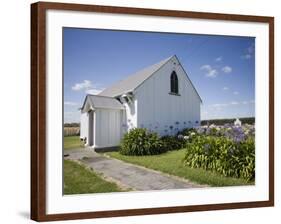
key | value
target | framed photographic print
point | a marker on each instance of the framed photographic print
(143, 111)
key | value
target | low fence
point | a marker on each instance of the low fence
(71, 131)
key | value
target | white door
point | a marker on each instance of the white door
(91, 128)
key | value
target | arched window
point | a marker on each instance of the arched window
(174, 83)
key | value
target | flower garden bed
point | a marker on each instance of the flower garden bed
(227, 149)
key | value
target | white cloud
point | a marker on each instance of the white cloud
(246, 56)
(86, 84)
(226, 69)
(251, 49)
(249, 52)
(94, 91)
(88, 87)
(205, 67)
(219, 105)
(224, 110)
(235, 92)
(209, 71)
(225, 88)
(71, 116)
(232, 103)
(212, 74)
(218, 59)
(69, 103)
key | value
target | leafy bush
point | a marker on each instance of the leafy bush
(236, 133)
(140, 142)
(173, 142)
(187, 131)
(223, 155)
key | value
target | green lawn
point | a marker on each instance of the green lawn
(80, 180)
(171, 163)
(71, 142)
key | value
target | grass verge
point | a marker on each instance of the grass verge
(80, 180)
(172, 163)
(71, 142)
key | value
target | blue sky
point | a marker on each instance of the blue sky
(222, 68)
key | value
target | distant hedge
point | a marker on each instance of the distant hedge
(71, 125)
(244, 120)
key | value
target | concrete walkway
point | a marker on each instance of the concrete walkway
(128, 175)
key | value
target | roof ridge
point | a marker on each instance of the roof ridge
(88, 94)
(97, 101)
(162, 62)
(135, 79)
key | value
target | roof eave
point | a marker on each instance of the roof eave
(153, 72)
(189, 79)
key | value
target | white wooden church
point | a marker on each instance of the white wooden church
(160, 98)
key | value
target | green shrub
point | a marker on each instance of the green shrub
(173, 142)
(223, 155)
(187, 131)
(140, 142)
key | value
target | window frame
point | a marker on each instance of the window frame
(174, 83)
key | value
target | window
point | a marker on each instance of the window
(174, 83)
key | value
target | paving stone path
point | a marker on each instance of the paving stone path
(128, 175)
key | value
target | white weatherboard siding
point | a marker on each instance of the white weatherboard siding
(141, 100)
(131, 114)
(84, 125)
(160, 109)
(108, 129)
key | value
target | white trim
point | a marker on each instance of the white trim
(57, 203)
(94, 128)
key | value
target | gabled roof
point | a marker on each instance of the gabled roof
(105, 102)
(133, 81)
